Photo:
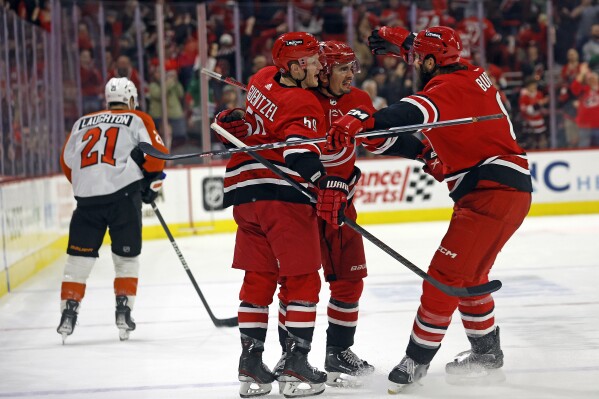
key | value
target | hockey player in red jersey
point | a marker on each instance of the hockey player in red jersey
(277, 237)
(488, 178)
(110, 178)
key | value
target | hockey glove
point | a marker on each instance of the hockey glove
(394, 41)
(432, 163)
(153, 185)
(232, 121)
(332, 200)
(343, 131)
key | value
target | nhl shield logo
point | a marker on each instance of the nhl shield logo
(212, 193)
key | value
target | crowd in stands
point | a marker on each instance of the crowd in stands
(515, 52)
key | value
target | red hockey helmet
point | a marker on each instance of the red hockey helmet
(336, 53)
(441, 42)
(294, 46)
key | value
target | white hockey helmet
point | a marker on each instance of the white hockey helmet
(120, 90)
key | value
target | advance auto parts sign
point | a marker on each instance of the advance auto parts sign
(392, 183)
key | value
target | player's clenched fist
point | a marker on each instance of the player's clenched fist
(332, 200)
(343, 131)
(232, 120)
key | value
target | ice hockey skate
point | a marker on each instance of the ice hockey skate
(344, 368)
(406, 373)
(124, 321)
(300, 379)
(278, 371)
(480, 365)
(255, 377)
(68, 319)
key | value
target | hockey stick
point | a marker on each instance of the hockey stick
(476, 290)
(231, 322)
(152, 151)
(222, 78)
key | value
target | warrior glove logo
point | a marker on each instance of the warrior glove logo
(295, 42)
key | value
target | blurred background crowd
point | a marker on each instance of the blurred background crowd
(543, 56)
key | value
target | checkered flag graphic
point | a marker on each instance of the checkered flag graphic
(418, 186)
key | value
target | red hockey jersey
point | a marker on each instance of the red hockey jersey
(477, 151)
(275, 113)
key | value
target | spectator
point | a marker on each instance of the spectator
(91, 83)
(370, 86)
(567, 100)
(229, 99)
(590, 48)
(306, 21)
(124, 69)
(174, 106)
(532, 109)
(586, 88)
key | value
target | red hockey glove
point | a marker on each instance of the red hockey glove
(432, 163)
(343, 131)
(332, 200)
(232, 121)
(394, 41)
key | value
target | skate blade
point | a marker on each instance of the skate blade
(300, 389)
(342, 380)
(64, 337)
(281, 386)
(123, 334)
(480, 377)
(251, 388)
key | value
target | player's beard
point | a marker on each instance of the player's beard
(425, 77)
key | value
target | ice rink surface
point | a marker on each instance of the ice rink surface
(548, 311)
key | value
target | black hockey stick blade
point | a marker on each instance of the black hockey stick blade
(230, 322)
(482, 289)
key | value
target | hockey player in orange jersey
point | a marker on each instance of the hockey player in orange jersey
(110, 179)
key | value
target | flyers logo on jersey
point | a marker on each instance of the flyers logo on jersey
(295, 42)
(359, 114)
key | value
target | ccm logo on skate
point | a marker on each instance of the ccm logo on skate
(447, 252)
(358, 267)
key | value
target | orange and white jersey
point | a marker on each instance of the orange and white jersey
(96, 156)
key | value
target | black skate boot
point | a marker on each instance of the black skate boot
(480, 365)
(255, 377)
(68, 319)
(343, 366)
(300, 379)
(124, 322)
(406, 373)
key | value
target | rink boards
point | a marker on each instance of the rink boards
(35, 213)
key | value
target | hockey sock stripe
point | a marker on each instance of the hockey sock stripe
(125, 286)
(342, 316)
(300, 320)
(252, 317)
(69, 290)
(282, 317)
(478, 316)
(431, 318)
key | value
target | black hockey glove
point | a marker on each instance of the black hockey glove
(153, 185)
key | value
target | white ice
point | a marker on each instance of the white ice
(548, 312)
